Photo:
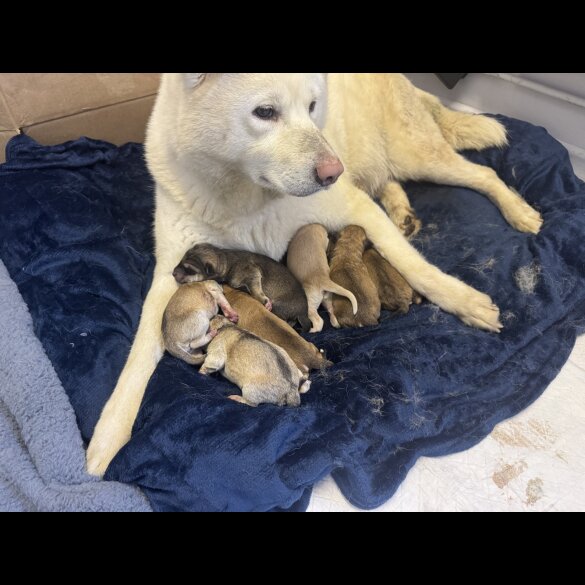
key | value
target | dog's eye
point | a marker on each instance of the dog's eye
(208, 268)
(265, 112)
(312, 106)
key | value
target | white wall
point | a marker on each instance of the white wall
(553, 100)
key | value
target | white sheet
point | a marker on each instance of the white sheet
(532, 462)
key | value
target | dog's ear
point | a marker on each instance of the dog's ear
(194, 80)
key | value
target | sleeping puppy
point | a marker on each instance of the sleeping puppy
(347, 268)
(263, 371)
(254, 317)
(185, 324)
(394, 292)
(265, 279)
(307, 260)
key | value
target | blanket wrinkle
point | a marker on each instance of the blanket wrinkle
(77, 217)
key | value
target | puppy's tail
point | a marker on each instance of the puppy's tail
(463, 130)
(333, 287)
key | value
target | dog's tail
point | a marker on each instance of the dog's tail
(333, 287)
(463, 130)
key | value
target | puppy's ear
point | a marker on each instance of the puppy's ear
(193, 80)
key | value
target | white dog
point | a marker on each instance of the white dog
(241, 161)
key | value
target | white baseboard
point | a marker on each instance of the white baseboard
(560, 112)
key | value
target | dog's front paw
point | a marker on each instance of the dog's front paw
(108, 438)
(479, 311)
(268, 304)
(521, 216)
(474, 308)
(528, 220)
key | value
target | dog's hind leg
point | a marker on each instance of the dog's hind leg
(395, 201)
(214, 361)
(114, 427)
(253, 283)
(328, 304)
(314, 298)
(449, 168)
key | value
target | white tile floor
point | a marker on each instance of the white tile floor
(533, 462)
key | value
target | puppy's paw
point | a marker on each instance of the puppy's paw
(233, 316)
(240, 399)
(305, 386)
(268, 304)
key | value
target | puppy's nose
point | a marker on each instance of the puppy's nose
(179, 274)
(328, 171)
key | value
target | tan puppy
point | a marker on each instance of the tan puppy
(394, 292)
(254, 317)
(307, 260)
(348, 270)
(263, 371)
(185, 324)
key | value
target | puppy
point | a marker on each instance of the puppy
(263, 371)
(394, 292)
(347, 269)
(254, 317)
(265, 279)
(185, 324)
(307, 260)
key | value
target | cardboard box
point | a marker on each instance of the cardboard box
(55, 107)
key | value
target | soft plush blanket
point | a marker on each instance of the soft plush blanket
(75, 225)
(42, 458)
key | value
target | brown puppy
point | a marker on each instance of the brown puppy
(394, 292)
(347, 268)
(254, 317)
(185, 324)
(263, 371)
(307, 260)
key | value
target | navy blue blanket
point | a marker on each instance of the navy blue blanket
(75, 228)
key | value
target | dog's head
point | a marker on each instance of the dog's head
(265, 125)
(201, 262)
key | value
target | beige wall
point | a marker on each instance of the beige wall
(55, 107)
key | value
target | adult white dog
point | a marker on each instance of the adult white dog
(241, 161)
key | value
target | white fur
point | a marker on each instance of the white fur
(226, 177)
